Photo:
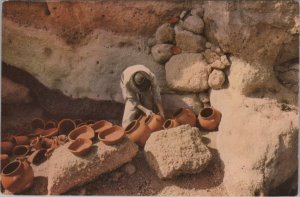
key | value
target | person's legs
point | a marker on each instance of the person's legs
(130, 114)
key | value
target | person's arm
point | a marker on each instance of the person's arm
(157, 96)
(146, 111)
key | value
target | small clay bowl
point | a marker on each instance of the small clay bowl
(50, 133)
(80, 146)
(50, 124)
(101, 126)
(65, 126)
(38, 157)
(21, 150)
(37, 123)
(81, 124)
(112, 135)
(82, 132)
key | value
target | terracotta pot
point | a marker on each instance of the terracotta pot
(37, 157)
(111, 136)
(175, 50)
(20, 140)
(209, 118)
(50, 133)
(37, 123)
(50, 124)
(141, 119)
(17, 176)
(4, 160)
(80, 146)
(78, 121)
(62, 139)
(185, 116)
(81, 124)
(82, 132)
(154, 122)
(101, 125)
(41, 143)
(21, 150)
(65, 126)
(170, 123)
(138, 132)
(6, 147)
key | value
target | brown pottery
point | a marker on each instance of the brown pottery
(4, 160)
(37, 157)
(138, 132)
(37, 123)
(39, 143)
(170, 123)
(6, 147)
(49, 152)
(185, 116)
(50, 133)
(111, 136)
(80, 146)
(20, 140)
(82, 132)
(88, 122)
(50, 124)
(17, 176)
(209, 118)
(101, 125)
(65, 126)
(21, 150)
(155, 122)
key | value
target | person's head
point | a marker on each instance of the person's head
(140, 81)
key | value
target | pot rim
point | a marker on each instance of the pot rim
(168, 121)
(85, 142)
(131, 126)
(22, 146)
(212, 114)
(81, 129)
(120, 130)
(63, 121)
(18, 169)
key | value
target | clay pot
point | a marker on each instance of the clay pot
(62, 139)
(20, 140)
(185, 116)
(37, 123)
(4, 160)
(21, 150)
(82, 132)
(65, 126)
(41, 143)
(141, 119)
(154, 122)
(78, 121)
(49, 152)
(111, 136)
(6, 147)
(17, 176)
(175, 50)
(88, 122)
(170, 123)
(50, 124)
(50, 133)
(37, 157)
(101, 125)
(80, 146)
(81, 124)
(209, 118)
(138, 132)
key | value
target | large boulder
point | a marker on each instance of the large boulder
(177, 151)
(187, 72)
(165, 34)
(68, 170)
(189, 41)
(257, 141)
(194, 24)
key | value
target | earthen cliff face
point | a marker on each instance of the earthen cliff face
(69, 55)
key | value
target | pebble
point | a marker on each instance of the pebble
(129, 169)
(217, 64)
(210, 56)
(194, 24)
(161, 53)
(165, 34)
(216, 79)
(203, 97)
(224, 60)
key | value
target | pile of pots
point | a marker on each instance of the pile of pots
(140, 129)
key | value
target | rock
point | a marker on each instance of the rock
(115, 176)
(68, 170)
(151, 42)
(187, 72)
(224, 61)
(177, 151)
(162, 52)
(129, 169)
(172, 102)
(210, 56)
(189, 42)
(237, 35)
(14, 93)
(197, 12)
(204, 97)
(287, 74)
(216, 79)
(257, 141)
(217, 64)
(194, 24)
(165, 34)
